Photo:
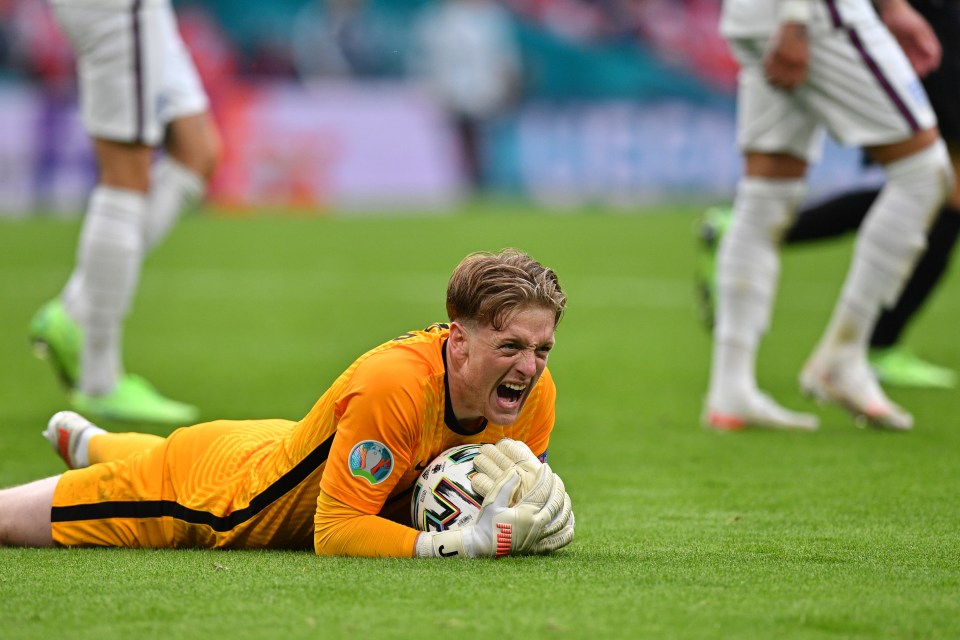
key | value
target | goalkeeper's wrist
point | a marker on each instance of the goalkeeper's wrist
(795, 11)
(443, 544)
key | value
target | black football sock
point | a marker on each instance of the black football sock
(832, 217)
(928, 272)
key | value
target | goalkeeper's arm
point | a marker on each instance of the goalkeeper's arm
(342, 530)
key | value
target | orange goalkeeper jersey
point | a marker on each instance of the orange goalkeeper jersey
(257, 484)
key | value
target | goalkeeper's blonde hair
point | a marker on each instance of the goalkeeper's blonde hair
(488, 288)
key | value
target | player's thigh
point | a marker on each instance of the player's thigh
(194, 142)
(135, 502)
(770, 120)
(862, 87)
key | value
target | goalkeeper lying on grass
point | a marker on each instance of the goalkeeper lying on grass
(340, 479)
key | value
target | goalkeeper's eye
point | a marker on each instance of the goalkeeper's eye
(511, 348)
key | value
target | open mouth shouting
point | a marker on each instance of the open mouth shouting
(510, 395)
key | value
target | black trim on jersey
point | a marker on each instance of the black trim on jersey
(448, 416)
(168, 508)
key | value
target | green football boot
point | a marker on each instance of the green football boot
(899, 367)
(713, 226)
(57, 339)
(135, 400)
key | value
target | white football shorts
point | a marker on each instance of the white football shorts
(860, 87)
(135, 74)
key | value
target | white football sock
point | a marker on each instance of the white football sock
(72, 295)
(108, 261)
(748, 266)
(173, 188)
(889, 242)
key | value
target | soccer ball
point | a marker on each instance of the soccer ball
(442, 497)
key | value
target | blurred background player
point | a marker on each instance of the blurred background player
(139, 90)
(805, 66)
(467, 55)
(892, 363)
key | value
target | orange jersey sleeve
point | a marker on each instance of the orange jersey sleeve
(341, 530)
(381, 413)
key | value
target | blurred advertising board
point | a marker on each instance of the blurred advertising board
(627, 154)
(346, 147)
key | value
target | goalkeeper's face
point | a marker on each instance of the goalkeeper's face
(500, 368)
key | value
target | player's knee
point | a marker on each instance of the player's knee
(765, 207)
(925, 176)
(210, 155)
(195, 143)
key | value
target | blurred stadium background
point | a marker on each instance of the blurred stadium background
(325, 107)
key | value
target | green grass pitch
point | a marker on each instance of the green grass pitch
(681, 533)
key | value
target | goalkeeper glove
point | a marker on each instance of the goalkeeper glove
(535, 525)
(496, 460)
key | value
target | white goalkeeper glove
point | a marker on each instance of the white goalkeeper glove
(558, 532)
(536, 524)
(494, 461)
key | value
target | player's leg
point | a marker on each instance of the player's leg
(838, 215)
(191, 141)
(166, 495)
(817, 220)
(892, 237)
(892, 363)
(25, 514)
(748, 269)
(748, 260)
(83, 323)
(180, 177)
(113, 113)
(110, 255)
(80, 443)
(889, 115)
(895, 365)
(121, 71)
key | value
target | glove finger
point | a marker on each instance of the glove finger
(539, 490)
(554, 502)
(515, 450)
(557, 541)
(493, 457)
(490, 466)
(500, 493)
(561, 519)
(482, 484)
(519, 453)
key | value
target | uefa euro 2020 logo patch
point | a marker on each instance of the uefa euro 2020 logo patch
(372, 461)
